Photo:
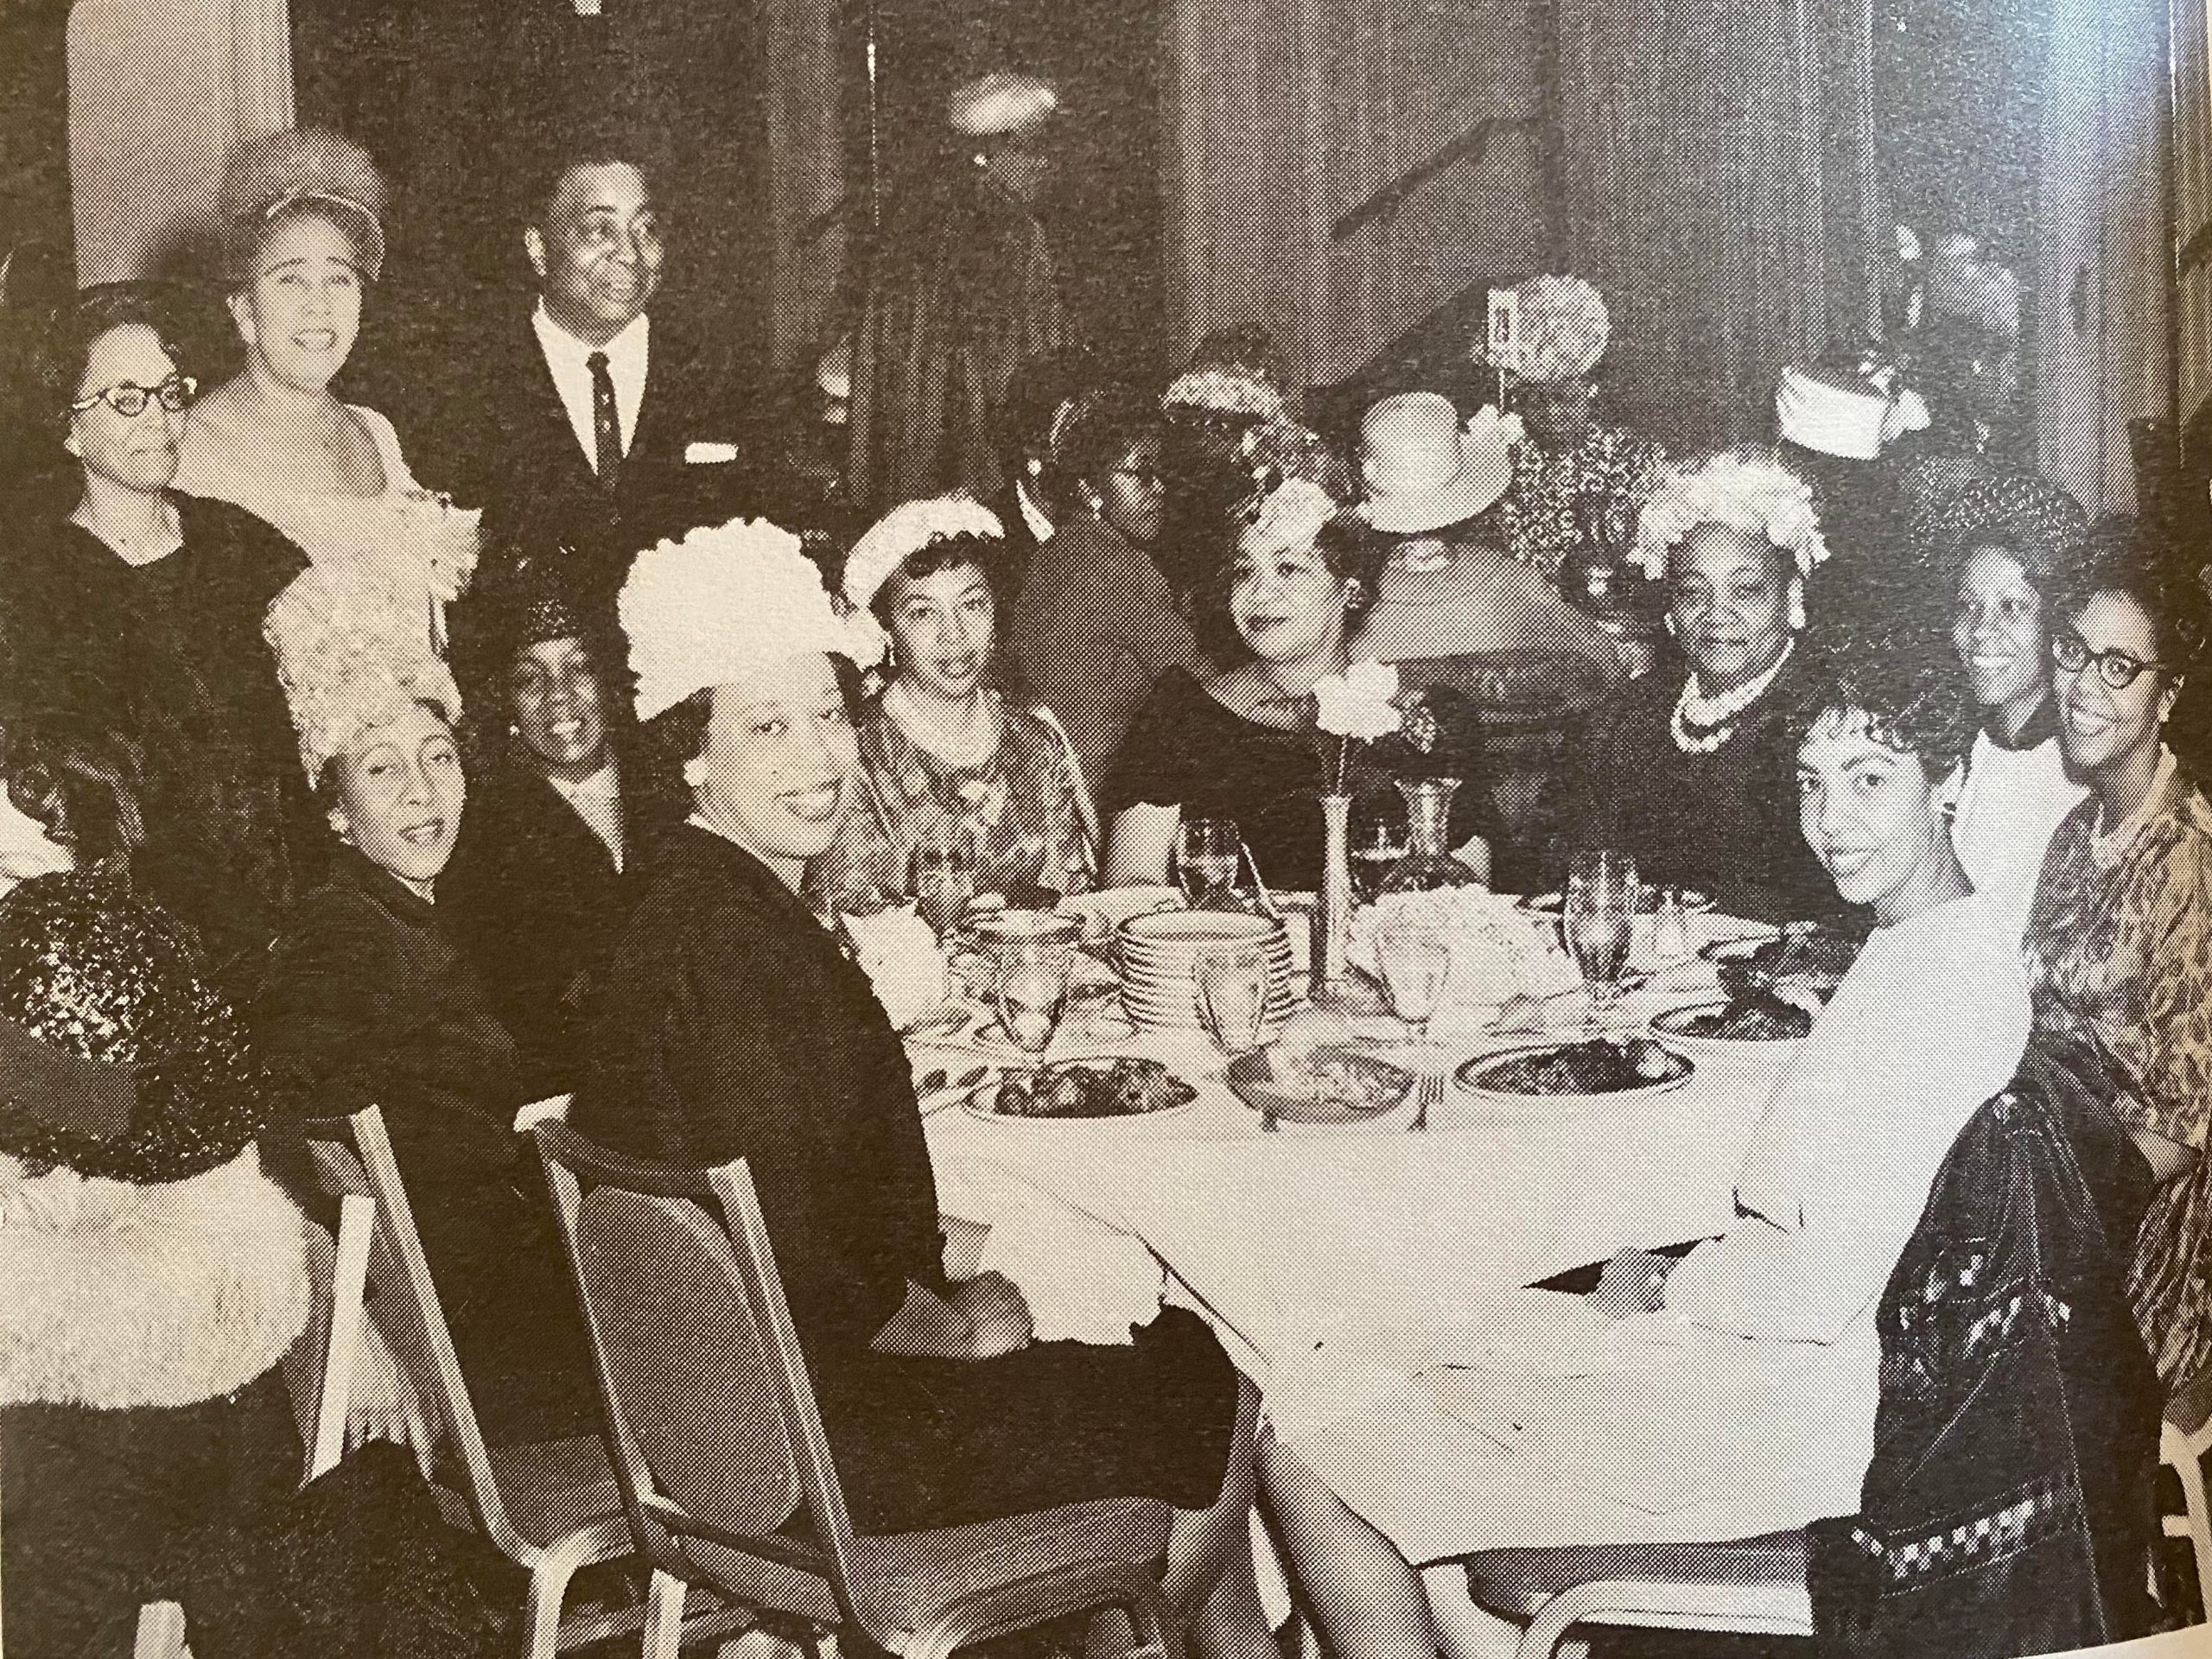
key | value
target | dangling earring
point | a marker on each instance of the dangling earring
(694, 771)
(514, 728)
(1669, 621)
(1797, 604)
(340, 827)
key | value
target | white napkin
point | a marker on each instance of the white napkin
(904, 962)
(709, 453)
(1083, 1281)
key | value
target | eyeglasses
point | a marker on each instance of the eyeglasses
(1149, 477)
(128, 399)
(2115, 668)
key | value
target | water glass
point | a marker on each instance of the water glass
(1599, 920)
(1208, 852)
(944, 880)
(1415, 961)
(1029, 988)
(1233, 988)
(1380, 840)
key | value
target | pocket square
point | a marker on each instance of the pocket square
(709, 454)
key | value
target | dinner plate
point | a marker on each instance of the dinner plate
(1251, 1077)
(1672, 1027)
(983, 1102)
(1487, 1076)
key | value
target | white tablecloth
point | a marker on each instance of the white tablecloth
(1299, 1241)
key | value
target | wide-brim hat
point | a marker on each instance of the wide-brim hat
(1423, 469)
(116, 1060)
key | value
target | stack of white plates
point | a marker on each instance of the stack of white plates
(1159, 955)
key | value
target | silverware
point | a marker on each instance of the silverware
(1259, 882)
(1431, 1094)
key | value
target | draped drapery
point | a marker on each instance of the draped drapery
(2101, 327)
(1286, 116)
(159, 97)
(1718, 165)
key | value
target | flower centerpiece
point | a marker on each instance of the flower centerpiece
(1358, 706)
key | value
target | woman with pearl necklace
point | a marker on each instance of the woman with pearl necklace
(1691, 773)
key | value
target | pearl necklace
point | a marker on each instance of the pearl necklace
(1702, 724)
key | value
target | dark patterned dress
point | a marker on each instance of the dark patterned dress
(2118, 951)
(1557, 497)
(1022, 814)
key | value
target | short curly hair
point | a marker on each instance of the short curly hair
(1905, 694)
(2133, 559)
(1091, 437)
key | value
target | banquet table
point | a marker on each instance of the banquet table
(1292, 1241)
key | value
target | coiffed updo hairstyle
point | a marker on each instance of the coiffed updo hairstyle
(1904, 691)
(302, 173)
(1091, 436)
(1349, 551)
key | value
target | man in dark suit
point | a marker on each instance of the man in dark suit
(593, 422)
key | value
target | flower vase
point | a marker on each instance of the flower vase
(1332, 916)
(1429, 864)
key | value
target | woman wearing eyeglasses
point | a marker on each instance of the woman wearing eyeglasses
(304, 241)
(2119, 945)
(142, 609)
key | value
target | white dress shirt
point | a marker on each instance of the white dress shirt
(568, 358)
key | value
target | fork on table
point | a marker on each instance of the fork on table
(1431, 1095)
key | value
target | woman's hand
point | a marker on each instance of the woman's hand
(1634, 1281)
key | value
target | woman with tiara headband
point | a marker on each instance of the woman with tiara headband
(303, 218)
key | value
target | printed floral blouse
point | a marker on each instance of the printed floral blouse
(2119, 954)
(1602, 482)
(1022, 813)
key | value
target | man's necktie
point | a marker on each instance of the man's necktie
(605, 421)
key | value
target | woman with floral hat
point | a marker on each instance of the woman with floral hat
(948, 758)
(370, 1001)
(1691, 772)
(1574, 480)
(1243, 744)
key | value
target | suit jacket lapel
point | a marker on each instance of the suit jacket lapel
(555, 437)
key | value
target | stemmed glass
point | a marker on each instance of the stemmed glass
(1233, 987)
(1598, 918)
(1029, 988)
(1380, 838)
(1416, 961)
(944, 879)
(1207, 855)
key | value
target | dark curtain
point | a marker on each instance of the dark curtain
(459, 100)
(1718, 165)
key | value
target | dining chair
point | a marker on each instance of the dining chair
(2184, 1443)
(552, 1508)
(1746, 1587)
(719, 1445)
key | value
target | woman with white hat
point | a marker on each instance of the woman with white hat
(948, 758)
(733, 1025)
(1695, 776)
(966, 290)
(1431, 482)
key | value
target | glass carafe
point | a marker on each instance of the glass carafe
(1428, 864)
